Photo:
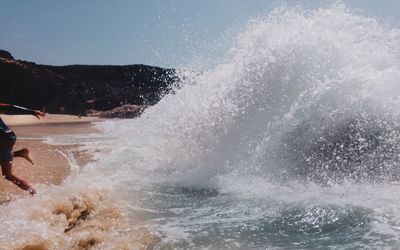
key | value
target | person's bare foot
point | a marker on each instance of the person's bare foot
(24, 153)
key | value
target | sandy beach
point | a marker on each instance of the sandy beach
(51, 166)
(81, 219)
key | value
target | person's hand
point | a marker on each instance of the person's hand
(39, 114)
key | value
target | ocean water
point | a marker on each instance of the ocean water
(290, 143)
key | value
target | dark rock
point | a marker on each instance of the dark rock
(125, 111)
(6, 55)
(75, 89)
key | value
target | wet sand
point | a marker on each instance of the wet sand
(81, 219)
(51, 166)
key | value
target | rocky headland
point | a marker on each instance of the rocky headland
(75, 89)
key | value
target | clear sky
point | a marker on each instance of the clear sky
(157, 32)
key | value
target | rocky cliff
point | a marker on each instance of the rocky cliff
(74, 89)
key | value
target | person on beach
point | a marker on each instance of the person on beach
(7, 141)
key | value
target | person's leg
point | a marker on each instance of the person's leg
(24, 153)
(6, 157)
(6, 168)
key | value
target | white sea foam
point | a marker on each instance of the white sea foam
(292, 141)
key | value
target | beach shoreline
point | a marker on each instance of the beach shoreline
(77, 219)
(52, 163)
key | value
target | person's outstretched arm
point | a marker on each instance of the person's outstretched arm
(10, 109)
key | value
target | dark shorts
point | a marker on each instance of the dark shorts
(7, 141)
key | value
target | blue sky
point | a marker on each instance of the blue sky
(156, 32)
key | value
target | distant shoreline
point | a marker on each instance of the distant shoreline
(23, 120)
